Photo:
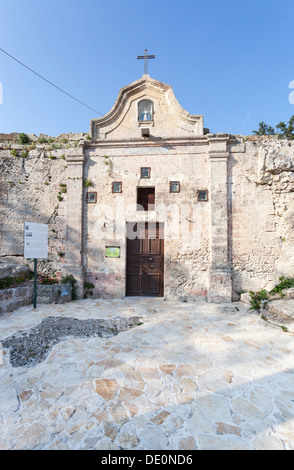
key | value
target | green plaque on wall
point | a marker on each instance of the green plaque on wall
(112, 252)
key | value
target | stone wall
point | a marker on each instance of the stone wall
(261, 207)
(33, 187)
(46, 186)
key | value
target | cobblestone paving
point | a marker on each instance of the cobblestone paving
(32, 346)
(192, 376)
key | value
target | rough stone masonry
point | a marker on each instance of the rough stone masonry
(226, 202)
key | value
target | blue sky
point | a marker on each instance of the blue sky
(230, 60)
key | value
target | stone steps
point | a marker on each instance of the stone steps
(278, 311)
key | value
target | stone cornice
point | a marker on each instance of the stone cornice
(218, 156)
(218, 146)
(77, 159)
(149, 142)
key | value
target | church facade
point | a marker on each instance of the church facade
(155, 218)
(149, 203)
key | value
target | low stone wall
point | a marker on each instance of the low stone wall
(54, 294)
(16, 297)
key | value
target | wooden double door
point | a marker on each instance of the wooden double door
(145, 259)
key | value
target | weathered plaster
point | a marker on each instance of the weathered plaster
(242, 238)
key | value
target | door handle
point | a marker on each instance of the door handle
(150, 259)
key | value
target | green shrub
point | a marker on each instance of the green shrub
(88, 183)
(6, 282)
(283, 130)
(23, 139)
(286, 283)
(88, 285)
(56, 146)
(257, 298)
(13, 153)
(264, 129)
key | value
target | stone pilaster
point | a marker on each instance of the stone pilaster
(220, 282)
(74, 218)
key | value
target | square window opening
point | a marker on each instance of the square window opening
(145, 199)
(117, 187)
(145, 172)
(202, 195)
(174, 186)
(91, 197)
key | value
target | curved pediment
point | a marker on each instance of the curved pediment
(146, 104)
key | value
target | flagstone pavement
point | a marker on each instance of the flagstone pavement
(190, 376)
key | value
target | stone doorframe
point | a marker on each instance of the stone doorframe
(220, 278)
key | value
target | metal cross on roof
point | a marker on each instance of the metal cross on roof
(146, 57)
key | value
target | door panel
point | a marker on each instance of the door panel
(136, 247)
(153, 283)
(154, 247)
(136, 283)
(145, 260)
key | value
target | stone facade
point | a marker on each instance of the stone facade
(238, 237)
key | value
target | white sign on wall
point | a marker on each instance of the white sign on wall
(35, 240)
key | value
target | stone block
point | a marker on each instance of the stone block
(245, 297)
(24, 292)
(6, 295)
(282, 308)
(281, 312)
(13, 270)
(13, 305)
(57, 293)
(62, 137)
(5, 270)
(289, 293)
(2, 308)
(33, 137)
(78, 136)
(220, 286)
